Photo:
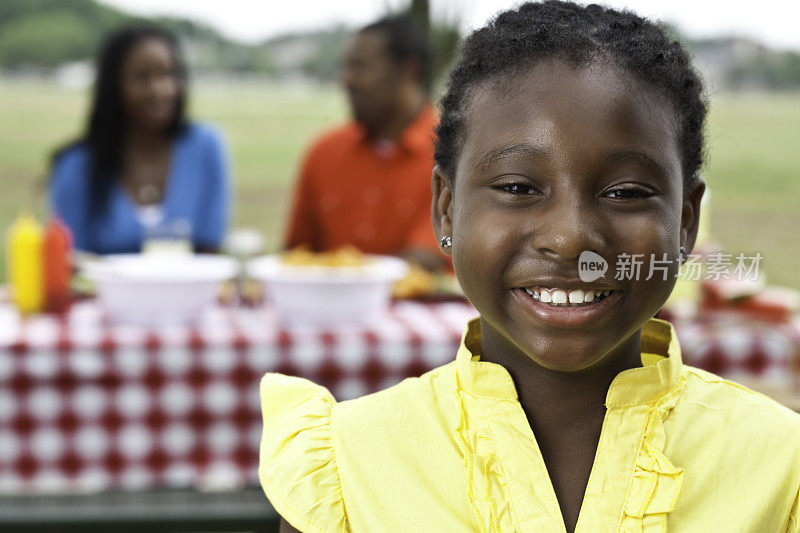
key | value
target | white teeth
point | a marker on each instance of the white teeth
(559, 296)
(576, 297)
(563, 297)
(544, 296)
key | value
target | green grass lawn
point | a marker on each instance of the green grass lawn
(753, 157)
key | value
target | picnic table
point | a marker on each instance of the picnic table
(89, 407)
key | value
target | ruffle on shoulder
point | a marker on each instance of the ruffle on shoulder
(656, 482)
(297, 465)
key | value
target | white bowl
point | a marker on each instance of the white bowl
(158, 289)
(328, 296)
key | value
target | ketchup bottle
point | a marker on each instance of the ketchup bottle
(56, 252)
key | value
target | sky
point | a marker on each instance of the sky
(773, 22)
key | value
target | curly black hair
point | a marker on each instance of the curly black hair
(578, 34)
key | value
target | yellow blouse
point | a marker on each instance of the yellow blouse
(680, 449)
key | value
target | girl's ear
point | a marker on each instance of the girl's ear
(690, 213)
(442, 206)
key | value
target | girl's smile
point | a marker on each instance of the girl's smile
(556, 160)
(561, 308)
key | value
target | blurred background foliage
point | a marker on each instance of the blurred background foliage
(42, 35)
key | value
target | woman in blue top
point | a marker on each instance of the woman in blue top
(140, 167)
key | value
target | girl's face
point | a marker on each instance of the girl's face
(554, 162)
(150, 85)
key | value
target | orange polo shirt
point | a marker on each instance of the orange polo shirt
(376, 197)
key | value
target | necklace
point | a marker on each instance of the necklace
(145, 180)
(148, 193)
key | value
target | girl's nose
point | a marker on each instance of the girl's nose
(570, 226)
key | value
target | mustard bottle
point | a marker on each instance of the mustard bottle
(25, 269)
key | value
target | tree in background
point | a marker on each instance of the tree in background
(46, 41)
(445, 36)
(45, 34)
(420, 11)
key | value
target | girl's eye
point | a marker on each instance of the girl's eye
(628, 193)
(517, 188)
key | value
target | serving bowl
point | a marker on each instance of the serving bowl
(158, 289)
(328, 295)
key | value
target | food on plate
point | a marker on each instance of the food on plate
(346, 256)
(418, 282)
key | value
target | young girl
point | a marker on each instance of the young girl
(565, 129)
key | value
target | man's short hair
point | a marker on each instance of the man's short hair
(406, 41)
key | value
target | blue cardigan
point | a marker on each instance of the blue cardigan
(197, 192)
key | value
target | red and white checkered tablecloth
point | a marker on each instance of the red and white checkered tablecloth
(89, 406)
(733, 347)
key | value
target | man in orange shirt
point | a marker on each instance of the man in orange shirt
(367, 183)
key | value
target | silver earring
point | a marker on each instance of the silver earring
(684, 255)
(446, 242)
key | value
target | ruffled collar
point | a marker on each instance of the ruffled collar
(659, 374)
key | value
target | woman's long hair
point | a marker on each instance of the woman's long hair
(104, 136)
